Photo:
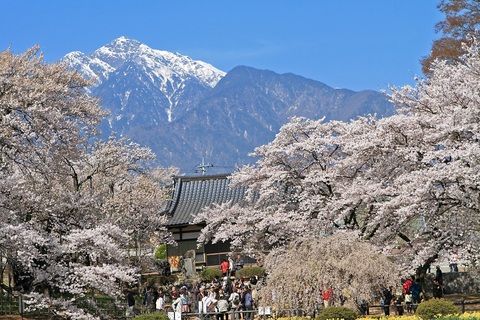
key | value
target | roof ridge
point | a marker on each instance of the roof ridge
(203, 177)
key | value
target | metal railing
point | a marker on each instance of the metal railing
(11, 305)
(465, 306)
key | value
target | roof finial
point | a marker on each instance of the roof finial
(202, 167)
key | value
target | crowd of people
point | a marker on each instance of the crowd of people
(216, 299)
(411, 295)
(236, 296)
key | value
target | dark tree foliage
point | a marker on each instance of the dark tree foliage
(462, 18)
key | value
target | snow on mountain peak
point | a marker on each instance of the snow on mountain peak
(167, 66)
(154, 72)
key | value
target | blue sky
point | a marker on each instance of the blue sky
(353, 44)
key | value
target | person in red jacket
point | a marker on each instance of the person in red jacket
(327, 296)
(224, 266)
(406, 286)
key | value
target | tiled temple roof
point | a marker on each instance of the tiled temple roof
(192, 194)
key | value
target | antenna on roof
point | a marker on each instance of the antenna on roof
(202, 167)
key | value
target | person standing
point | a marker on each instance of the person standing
(406, 286)
(248, 304)
(255, 296)
(397, 301)
(174, 291)
(161, 300)
(439, 275)
(387, 300)
(148, 300)
(416, 289)
(224, 267)
(177, 305)
(130, 304)
(222, 307)
(200, 298)
(231, 266)
(437, 289)
(184, 296)
(454, 262)
(408, 301)
(238, 263)
(234, 300)
(327, 295)
(195, 293)
(212, 293)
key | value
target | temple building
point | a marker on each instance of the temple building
(190, 196)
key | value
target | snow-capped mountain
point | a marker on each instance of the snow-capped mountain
(185, 109)
(167, 76)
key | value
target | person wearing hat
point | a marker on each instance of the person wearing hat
(184, 297)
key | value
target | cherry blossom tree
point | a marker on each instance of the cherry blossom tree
(405, 182)
(353, 269)
(71, 206)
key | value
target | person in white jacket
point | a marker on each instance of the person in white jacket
(177, 305)
(161, 300)
(222, 307)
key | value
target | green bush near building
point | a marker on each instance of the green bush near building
(210, 273)
(248, 272)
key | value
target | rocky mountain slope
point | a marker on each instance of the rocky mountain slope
(185, 109)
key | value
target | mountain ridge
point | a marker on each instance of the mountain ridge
(185, 109)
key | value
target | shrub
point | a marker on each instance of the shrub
(210, 273)
(337, 313)
(433, 308)
(248, 272)
(161, 252)
(156, 279)
(152, 316)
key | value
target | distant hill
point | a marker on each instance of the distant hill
(184, 109)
